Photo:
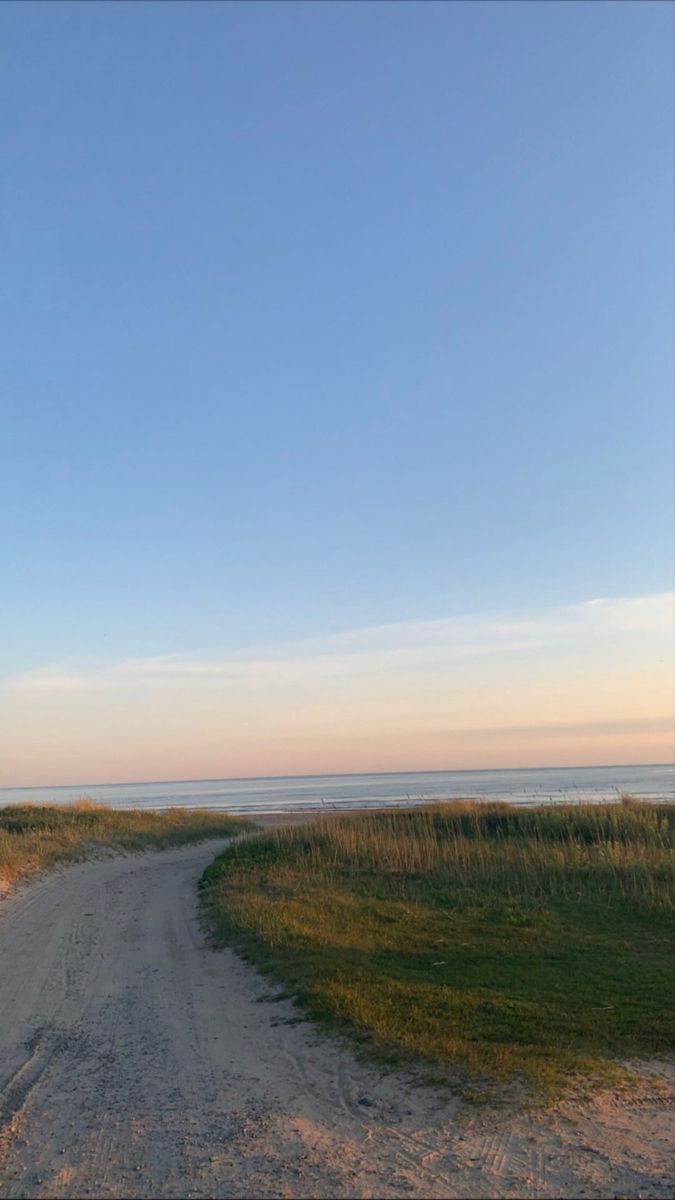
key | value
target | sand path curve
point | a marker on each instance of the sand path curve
(135, 1061)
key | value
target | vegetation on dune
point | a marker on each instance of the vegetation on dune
(531, 945)
(35, 836)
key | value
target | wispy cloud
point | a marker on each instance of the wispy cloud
(591, 682)
(383, 650)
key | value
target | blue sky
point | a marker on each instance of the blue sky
(319, 317)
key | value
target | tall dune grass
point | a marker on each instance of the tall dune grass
(505, 943)
(35, 836)
(608, 853)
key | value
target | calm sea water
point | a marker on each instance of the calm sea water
(554, 785)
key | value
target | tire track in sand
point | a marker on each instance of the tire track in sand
(136, 1061)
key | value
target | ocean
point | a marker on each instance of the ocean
(552, 785)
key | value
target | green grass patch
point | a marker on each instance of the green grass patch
(35, 836)
(530, 945)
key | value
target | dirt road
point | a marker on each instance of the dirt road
(135, 1061)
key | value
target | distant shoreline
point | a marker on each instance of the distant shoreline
(291, 793)
(132, 783)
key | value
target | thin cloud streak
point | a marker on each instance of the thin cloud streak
(589, 683)
(403, 647)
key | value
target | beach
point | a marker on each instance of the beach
(139, 1061)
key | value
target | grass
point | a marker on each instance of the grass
(510, 945)
(36, 836)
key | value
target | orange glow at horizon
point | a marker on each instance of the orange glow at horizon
(589, 685)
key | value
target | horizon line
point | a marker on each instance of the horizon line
(27, 787)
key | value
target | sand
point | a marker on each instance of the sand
(136, 1061)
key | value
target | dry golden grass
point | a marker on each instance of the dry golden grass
(35, 836)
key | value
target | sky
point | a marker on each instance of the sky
(336, 394)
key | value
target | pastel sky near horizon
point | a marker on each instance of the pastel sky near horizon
(337, 388)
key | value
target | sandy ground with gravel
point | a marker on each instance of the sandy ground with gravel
(135, 1061)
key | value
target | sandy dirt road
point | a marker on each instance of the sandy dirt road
(136, 1061)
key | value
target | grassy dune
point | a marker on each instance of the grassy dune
(35, 836)
(533, 945)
